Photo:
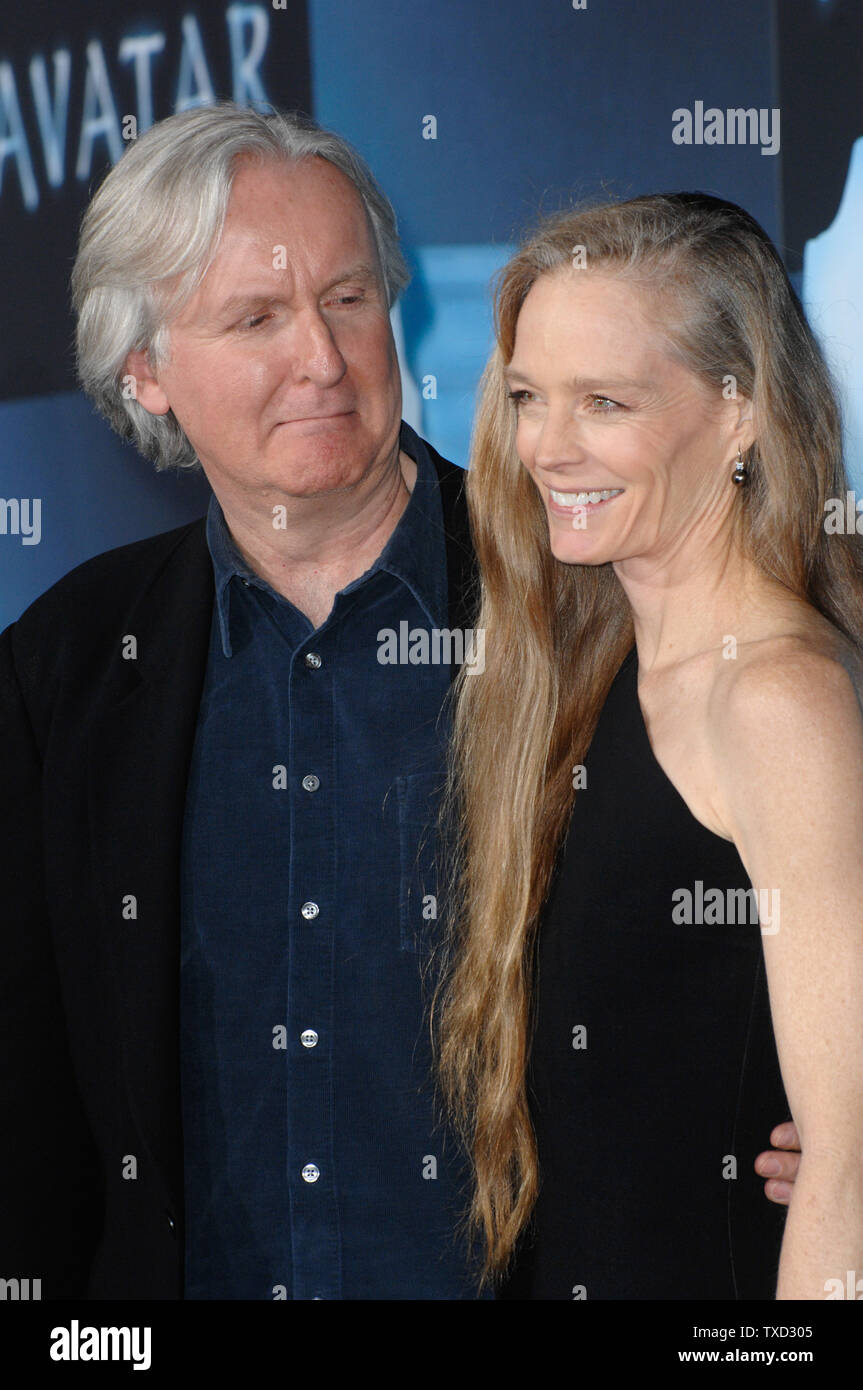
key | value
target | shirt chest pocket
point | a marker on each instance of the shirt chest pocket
(418, 803)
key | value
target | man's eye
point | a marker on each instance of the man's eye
(347, 298)
(255, 320)
(602, 404)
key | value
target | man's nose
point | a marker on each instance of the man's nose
(314, 352)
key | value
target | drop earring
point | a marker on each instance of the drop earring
(739, 475)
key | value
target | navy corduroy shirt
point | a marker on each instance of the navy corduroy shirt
(313, 1166)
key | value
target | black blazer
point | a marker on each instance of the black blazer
(95, 751)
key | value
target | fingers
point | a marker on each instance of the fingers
(778, 1167)
(785, 1136)
(771, 1164)
(778, 1192)
(781, 1171)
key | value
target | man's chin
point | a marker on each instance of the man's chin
(328, 472)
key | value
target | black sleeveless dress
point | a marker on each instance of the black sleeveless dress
(653, 1076)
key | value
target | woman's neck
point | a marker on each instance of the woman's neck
(695, 601)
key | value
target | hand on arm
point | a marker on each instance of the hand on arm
(780, 1164)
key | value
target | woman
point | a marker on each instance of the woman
(656, 445)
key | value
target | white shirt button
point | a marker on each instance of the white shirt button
(313, 661)
(311, 1172)
(311, 782)
(310, 911)
(309, 1037)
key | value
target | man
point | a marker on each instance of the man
(218, 849)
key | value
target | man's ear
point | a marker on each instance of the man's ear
(145, 387)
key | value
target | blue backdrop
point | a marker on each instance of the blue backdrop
(474, 118)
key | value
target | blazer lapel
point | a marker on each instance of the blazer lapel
(139, 754)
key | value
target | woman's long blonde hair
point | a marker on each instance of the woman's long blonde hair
(557, 633)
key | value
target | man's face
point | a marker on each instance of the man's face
(282, 368)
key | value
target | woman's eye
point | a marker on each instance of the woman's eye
(519, 397)
(255, 320)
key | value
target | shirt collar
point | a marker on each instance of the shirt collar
(415, 552)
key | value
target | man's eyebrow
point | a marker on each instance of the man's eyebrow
(244, 300)
(270, 294)
(361, 271)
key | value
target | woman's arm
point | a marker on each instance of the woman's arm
(789, 750)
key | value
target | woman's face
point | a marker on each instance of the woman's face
(631, 452)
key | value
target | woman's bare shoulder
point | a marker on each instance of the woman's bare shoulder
(785, 739)
(809, 671)
(787, 712)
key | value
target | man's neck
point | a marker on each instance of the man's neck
(320, 550)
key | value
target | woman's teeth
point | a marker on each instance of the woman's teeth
(583, 499)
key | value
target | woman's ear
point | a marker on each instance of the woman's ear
(744, 426)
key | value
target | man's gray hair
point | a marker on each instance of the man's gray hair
(152, 230)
